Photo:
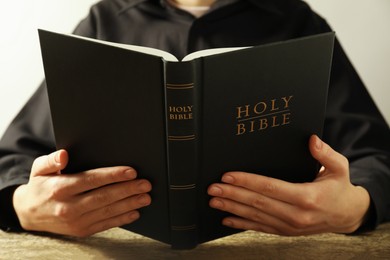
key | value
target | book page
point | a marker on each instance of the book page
(147, 50)
(209, 52)
(165, 55)
(160, 53)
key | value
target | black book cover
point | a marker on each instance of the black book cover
(182, 124)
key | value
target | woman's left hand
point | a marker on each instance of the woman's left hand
(328, 204)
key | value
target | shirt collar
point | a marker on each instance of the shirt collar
(128, 4)
(266, 5)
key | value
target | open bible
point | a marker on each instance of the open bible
(182, 124)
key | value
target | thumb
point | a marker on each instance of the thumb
(327, 157)
(49, 164)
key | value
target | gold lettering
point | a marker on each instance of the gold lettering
(286, 101)
(239, 111)
(252, 126)
(274, 123)
(273, 105)
(240, 129)
(180, 112)
(181, 109)
(263, 115)
(258, 112)
(180, 116)
(263, 124)
(286, 119)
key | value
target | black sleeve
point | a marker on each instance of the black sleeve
(29, 136)
(8, 218)
(355, 127)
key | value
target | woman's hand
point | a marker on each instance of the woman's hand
(78, 204)
(329, 204)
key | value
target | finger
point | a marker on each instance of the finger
(248, 213)
(107, 195)
(96, 178)
(292, 193)
(254, 219)
(49, 164)
(245, 224)
(121, 207)
(116, 209)
(329, 158)
(277, 209)
(117, 221)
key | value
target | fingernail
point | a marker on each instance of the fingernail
(143, 186)
(130, 174)
(143, 200)
(134, 215)
(227, 222)
(216, 203)
(228, 179)
(318, 143)
(215, 191)
(57, 158)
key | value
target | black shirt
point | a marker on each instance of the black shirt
(353, 126)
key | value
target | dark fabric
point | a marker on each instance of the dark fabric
(8, 218)
(353, 126)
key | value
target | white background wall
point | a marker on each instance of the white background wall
(361, 25)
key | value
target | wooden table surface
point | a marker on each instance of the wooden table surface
(120, 244)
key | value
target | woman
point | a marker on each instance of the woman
(350, 192)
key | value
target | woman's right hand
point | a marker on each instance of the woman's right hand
(79, 204)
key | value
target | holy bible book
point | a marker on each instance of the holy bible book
(182, 124)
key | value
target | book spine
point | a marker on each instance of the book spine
(181, 113)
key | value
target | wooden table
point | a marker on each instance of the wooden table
(120, 244)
